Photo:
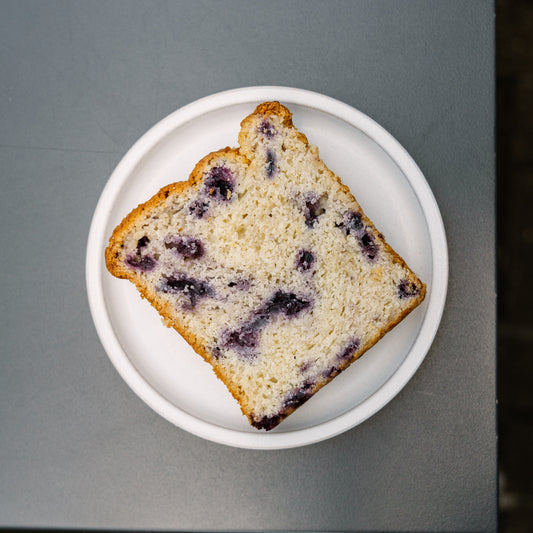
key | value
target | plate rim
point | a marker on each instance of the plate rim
(95, 270)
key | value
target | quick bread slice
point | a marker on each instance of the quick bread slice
(267, 265)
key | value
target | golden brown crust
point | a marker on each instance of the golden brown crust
(270, 109)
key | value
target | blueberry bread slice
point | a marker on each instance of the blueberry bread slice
(267, 265)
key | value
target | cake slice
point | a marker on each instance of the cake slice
(267, 265)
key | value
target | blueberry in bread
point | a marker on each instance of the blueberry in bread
(267, 265)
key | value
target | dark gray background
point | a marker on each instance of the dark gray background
(79, 83)
(514, 87)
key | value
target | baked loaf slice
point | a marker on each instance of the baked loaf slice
(266, 264)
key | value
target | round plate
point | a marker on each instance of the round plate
(162, 368)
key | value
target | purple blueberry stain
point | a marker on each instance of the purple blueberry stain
(368, 245)
(407, 289)
(294, 399)
(298, 396)
(343, 356)
(198, 208)
(193, 289)
(142, 242)
(314, 207)
(185, 246)
(287, 303)
(347, 352)
(220, 183)
(138, 261)
(266, 422)
(271, 163)
(267, 129)
(144, 263)
(352, 224)
(304, 260)
(245, 339)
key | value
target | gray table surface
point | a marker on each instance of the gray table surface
(79, 83)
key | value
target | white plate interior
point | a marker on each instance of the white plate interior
(163, 369)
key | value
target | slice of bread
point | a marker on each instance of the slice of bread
(266, 264)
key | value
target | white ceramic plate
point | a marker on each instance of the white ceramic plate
(161, 367)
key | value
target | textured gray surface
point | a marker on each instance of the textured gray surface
(80, 82)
